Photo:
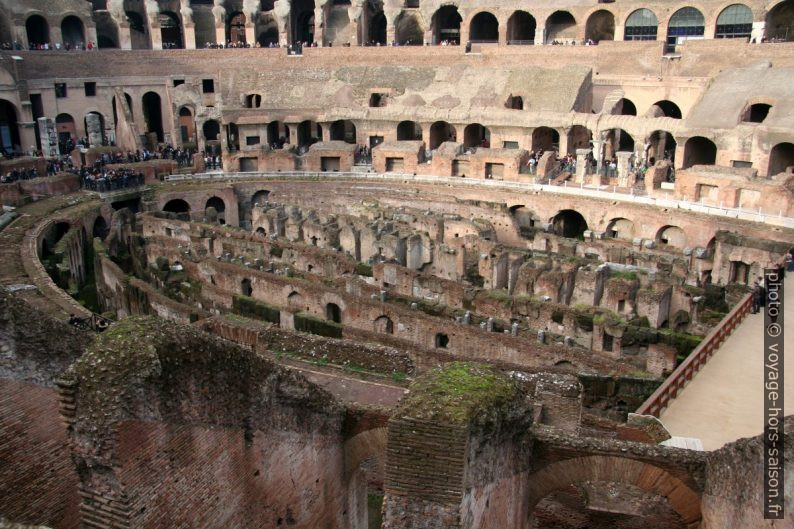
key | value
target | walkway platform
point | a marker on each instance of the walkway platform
(724, 401)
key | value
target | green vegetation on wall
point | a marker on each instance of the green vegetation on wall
(252, 308)
(311, 324)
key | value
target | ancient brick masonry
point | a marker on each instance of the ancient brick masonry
(173, 428)
(38, 481)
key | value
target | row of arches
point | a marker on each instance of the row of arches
(37, 30)
(572, 224)
(734, 21)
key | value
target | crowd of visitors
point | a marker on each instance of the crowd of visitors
(46, 46)
(101, 178)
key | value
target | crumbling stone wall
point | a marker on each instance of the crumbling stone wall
(733, 497)
(171, 426)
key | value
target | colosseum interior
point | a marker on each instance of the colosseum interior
(400, 264)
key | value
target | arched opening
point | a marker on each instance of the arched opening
(246, 289)
(268, 38)
(217, 203)
(294, 300)
(302, 21)
(235, 28)
(756, 113)
(620, 228)
(446, 25)
(100, 228)
(253, 101)
(384, 325)
(686, 24)
(475, 135)
(170, 30)
(545, 139)
(153, 114)
(38, 31)
(6, 32)
(277, 134)
(309, 133)
(333, 313)
(211, 130)
(94, 123)
(521, 27)
(560, 27)
(671, 236)
(641, 24)
(734, 22)
(600, 26)
(661, 146)
(625, 107)
(597, 491)
(267, 31)
(441, 341)
(569, 223)
(579, 137)
(699, 151)
(408, 30)
(377, 29)
(9, 128)
(484, 28)
(187, 127)
(525, 220)
(72, 33)
(260, 197)
(781, 158)
(441, 131)
(138, 37)
(343, 130)
(53, 234)
(409, 130)
(618, 140)
(780, 22)
(67, 133)
(176, 205)
(514, 102)
(666, 109)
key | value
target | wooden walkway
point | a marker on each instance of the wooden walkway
(724, 401)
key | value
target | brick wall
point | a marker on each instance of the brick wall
(38, 482)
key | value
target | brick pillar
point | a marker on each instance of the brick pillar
(156, 35)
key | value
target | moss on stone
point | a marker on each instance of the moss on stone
(458, 393)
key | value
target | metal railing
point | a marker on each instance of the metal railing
(614, 195)
(684, 373)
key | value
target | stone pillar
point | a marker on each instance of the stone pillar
(189, 35)
(49, 137)
(620, 32)
(503, 32)
(125, 38)
(624, 179)
(598, 152)
(563, 143)
(250, 33)
(220, 34)
(581, 165)
(540, 35)
(94, 129)
(319, 25)
(156, 34)
(758, 31)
